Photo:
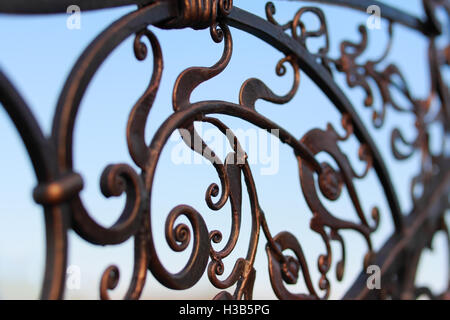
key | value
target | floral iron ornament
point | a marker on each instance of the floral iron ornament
(59, 185)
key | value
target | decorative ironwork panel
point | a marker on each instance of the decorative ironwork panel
(59, 184)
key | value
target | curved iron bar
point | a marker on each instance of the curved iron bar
(67, 108)
(390, 13)
(276, 37)
(60, 6)
(54, 189)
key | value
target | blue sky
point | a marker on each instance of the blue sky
(38, 52)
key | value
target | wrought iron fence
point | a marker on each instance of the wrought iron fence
(59, 184)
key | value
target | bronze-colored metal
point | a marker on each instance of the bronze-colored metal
(59, 185)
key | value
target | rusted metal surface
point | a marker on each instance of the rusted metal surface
(59, 185)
